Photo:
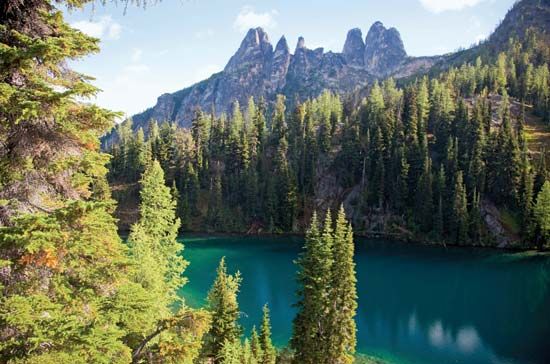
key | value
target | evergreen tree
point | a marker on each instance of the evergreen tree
(269, 354)
(222, 303)
(439, 218)
(424, 198)
(459, 220)
(70, 294)
(542, 174)
(343, 295)
(158, 227)
(157, 253)
(255, 345)
(475, 231)
(542, 214)
(308, 340)
(66, 271)
(324, 327)
(503, 162)
(230, 353)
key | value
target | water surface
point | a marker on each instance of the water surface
(417, 304)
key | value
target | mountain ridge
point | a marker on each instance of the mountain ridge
(256, 69)
(260, 70)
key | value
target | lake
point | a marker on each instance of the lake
(417, 304)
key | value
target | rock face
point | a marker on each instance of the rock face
(384, 50)
(354, 48)
(256, 69)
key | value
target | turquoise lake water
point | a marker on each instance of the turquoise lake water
(417, 304)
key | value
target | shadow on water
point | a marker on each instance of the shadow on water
(417, 304)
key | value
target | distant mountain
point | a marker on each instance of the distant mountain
(256, 69)
(259, 70)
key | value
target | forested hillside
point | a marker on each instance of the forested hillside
(451, 158)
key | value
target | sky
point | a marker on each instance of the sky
(175, 43)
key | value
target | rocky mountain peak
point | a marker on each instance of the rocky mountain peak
(255, 37)
(384, 49)
(282, 46)
(255, 48)
(256, 69)
(301, 43)
(354, 47)
(279, 65)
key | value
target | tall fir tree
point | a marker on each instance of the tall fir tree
(223, 305)
(268, 352)
(542, 215)
(343, 295)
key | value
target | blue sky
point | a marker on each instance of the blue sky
(175, 43)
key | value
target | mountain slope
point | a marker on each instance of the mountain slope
(524, 15)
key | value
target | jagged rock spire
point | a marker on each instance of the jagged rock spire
(255, 47)
(384, 49)
(354, 47)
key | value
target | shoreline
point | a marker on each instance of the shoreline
(371, 236)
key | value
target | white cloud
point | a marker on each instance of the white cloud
(105, 27)
(438, 6)
(248, 18)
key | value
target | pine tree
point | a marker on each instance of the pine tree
(66, 271)
(214, 216)
(314, 268)
(440, 196)
(459, 227)
(324, 327)
(157, 254)
(223, 305)
(476, 222)
(542, 214)
(246, 355)
(230, 353)
(423, 103)
(424, 198)
(278, 125)
(160, 225)
(269, 354)
(255, 345)
(343, 295)
(500, 80)
(503, 161)
(91, 308)
(542, 174)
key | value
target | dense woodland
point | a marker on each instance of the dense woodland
(426, 158)
(74, 292)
